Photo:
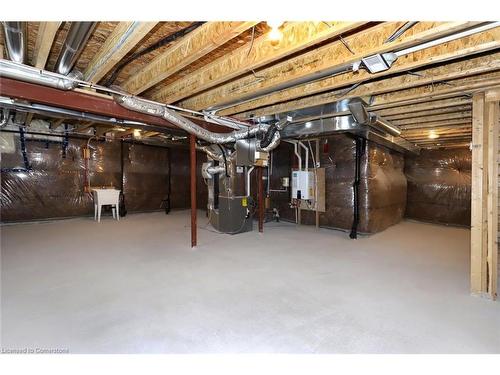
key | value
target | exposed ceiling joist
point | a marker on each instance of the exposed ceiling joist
(456, 49)
(296, 36)
(427, 113)
(447, 104)
(190, 48)
(45, 38)
(467, 115)
(324, 59)
(124, 37)
(432, 76)
(431, 125)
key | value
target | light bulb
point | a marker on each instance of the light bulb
(137, 133)
(275, 36)
(433, 135)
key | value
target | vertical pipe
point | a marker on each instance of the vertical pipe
(316, 193)
(260, 184)
(360, 146)
(192, 149)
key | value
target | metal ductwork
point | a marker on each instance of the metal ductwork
(29, 74)
(15, 40)
(345, 116)
(160, 110)
(363, 117)
(76, 39)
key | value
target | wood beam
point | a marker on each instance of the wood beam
(427, 113)
(190, 48)
(83, 101)
(479, 187)
(45, 38)
(432, 76)
(492, 124)
(296, 36)
(124, 37)
(447, 104)
(324, 59)
(56, 123)
(431, 125)
(466, 116)
(493, 95)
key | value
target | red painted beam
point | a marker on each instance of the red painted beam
(79, 101)
(192, 159)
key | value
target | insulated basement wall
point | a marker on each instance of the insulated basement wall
(382, 190)
(53, 185)
(439, 186)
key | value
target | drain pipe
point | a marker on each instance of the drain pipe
(360, 150)
(249, 171)
(76, 39)
(15, 40)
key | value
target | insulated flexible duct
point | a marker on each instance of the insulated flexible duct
(159, 110)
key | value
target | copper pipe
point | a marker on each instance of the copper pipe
(192, 153)
(260, 197)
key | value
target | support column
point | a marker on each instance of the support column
(484, 199)
(192, 153)
(491, 118)
(260, 197)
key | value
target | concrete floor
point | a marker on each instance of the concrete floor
(135, 286)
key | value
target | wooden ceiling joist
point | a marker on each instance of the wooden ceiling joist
(467, 115)
(447, 104)
(124, 37)
(326, 58)
(456, 49)
(190, 48)
(296, 36)
(450, 72)
(427, 113)
(44, 40)
(432, 125)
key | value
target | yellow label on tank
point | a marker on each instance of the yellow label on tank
(244, 202)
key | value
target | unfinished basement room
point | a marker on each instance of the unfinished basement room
(221, 186)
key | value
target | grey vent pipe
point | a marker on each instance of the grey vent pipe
(76, 39)
(29, 74)
(15, 40)
(159, 110)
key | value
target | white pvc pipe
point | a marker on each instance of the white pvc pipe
(297, 153)
(307, 155)
(248, 181)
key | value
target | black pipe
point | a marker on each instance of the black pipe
(360, 150)
(268, 137)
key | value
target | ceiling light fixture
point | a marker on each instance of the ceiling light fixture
(433, 135)
(275, 34)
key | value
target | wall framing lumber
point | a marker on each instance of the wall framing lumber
(478, 187)
(190, 48)
(124, 37)
(491, 119)
(484, 202)
(296, 36)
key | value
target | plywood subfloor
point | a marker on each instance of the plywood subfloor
(135, 286)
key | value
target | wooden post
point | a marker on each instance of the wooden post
(484, 200)
(192, 153)
(491, 121)
(260, 193)
(478, 198)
